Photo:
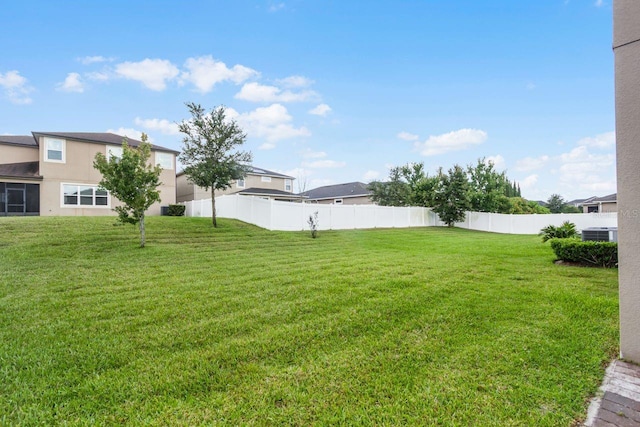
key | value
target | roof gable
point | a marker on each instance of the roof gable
(349, 189)
(100, 138)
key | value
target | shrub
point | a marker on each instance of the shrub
(176, 210)
(564, 231)
(602, 254)
(313, 224)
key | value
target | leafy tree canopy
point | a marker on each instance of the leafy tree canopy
(210, 154)
(132, 180)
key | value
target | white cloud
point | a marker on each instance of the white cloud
(73, 83)
(370, 176)
(255, 92)
(324, 164)
(87, 60)
(593, 172)
(153, 73)
(604, 140)
(310, 154)
(295, 81)
(531, 163)
(98, 75)
(452, 141)
(267, 146)
(528, 182)
(129, 133)
(320, 110)
(497, 160)
(598, 3)
(205, 72)
(162, 125)
(408, 136)
(274, 7)
(272, 123)
(16, 87)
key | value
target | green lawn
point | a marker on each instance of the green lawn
(242, 326)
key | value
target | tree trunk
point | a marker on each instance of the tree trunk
(142, 236)
(213, 208)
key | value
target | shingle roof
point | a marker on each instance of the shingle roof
(21, 170)
(349, 189)
(260, 171)
(28, 140)
(100, 138)
(604, 199)
(268, 192)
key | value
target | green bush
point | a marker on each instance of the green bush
(602, 254)
(176, 210)
(564, 231)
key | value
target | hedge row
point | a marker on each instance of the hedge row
(602, 254)
(176, 210)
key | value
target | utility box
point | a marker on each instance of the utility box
(600, 234)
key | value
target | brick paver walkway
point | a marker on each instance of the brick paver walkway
(619, 406)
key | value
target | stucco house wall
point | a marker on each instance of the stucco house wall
(626, 47)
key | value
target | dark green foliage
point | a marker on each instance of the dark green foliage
(176, 210)
(555, 203)
(209, 152)
(131, 180)
(564, 231)
(394, 192)
(571, 209)
(518, 205)
(601, 254)
(451, 200)
(489, 189)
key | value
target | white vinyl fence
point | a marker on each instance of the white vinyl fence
(288, 216)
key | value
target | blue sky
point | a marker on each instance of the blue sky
(331, 91)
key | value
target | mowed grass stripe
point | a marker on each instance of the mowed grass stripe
(243, 326)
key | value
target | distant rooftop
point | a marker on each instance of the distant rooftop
(349, 189)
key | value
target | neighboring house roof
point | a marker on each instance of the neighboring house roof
(27, 140)
(338, 191)
(20, 170)
(268, 192)
(611, 198)
(100, 138)
(260, 172)
(542, 203)
(578, 202)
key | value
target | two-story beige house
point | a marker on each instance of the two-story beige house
(52, 173)
(258, 182)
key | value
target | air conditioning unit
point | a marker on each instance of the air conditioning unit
(600, 234)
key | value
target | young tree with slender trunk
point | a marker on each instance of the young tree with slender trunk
(132, 180)
(210, 153)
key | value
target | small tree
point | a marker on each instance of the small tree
(132, 180)
(313, 224)
(209, 153)
(451, 200)
(555, 203)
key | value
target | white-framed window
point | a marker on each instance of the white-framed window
(83, 195)
(288, 186)
(54, 150)
(240, 183)
(165, 160)
(266, 179)
(114, 151)
(337, 201)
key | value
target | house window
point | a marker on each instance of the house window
(592, 209)
(266, 179)
(337, 201)
(54, 150)
(165, 160)
(75, 195)
(287, 185)
(114, 151)
(240, 183)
